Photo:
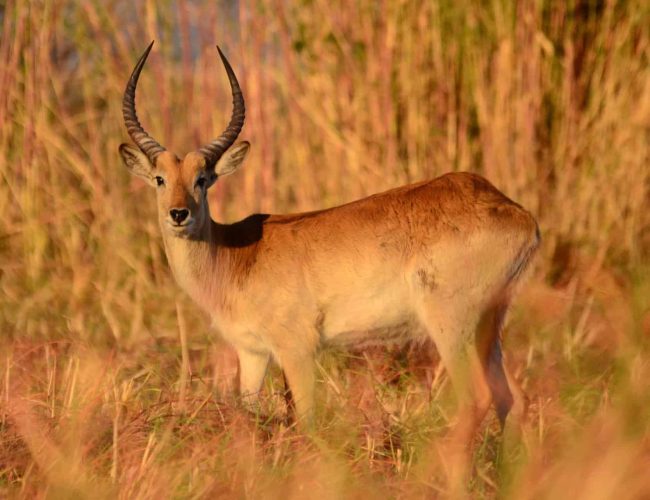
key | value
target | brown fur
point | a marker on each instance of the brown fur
(435, 259)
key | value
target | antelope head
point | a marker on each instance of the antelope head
(182, 184)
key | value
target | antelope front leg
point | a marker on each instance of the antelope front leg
(299, 372)
(252, 368)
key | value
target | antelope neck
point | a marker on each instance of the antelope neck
(195, 262)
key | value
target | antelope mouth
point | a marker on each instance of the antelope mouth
(180, 228)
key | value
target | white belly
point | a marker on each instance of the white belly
(369, 316)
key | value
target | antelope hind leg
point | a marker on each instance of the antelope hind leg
(453, 330)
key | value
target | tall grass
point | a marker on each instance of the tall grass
(549, 100)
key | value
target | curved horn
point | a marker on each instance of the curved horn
(147, 144)
(213, 151)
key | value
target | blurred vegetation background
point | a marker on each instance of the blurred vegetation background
(549, 100)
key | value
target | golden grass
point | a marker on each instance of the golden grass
(99, 395)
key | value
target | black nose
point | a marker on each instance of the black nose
(178, 215)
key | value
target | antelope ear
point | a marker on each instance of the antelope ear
(232, 158)
(137, 163)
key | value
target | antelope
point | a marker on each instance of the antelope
(439, 258)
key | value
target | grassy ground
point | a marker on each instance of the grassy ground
(113, 385)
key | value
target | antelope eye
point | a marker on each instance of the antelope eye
(160, 181)
(200, 182)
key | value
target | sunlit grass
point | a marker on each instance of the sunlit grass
(98, 394)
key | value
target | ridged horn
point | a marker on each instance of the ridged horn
(147, 144)
(213, 151)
